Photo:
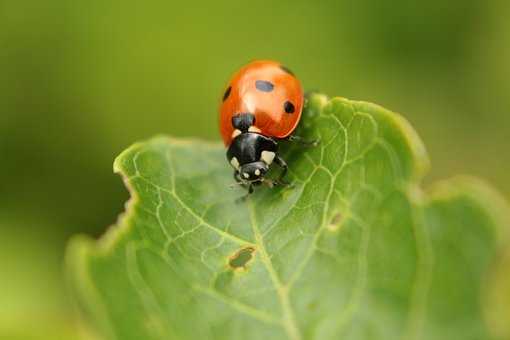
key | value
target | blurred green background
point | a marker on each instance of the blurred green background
(82, 80)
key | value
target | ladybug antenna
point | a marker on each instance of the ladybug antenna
(233, 185)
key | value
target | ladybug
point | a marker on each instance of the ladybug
(261, 105)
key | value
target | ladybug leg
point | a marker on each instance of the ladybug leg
(303, 142)
(281, 162)
(237, 177)
(243, 198)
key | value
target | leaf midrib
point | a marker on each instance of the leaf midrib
(289, 322)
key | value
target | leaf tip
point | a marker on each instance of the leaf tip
(395, 127)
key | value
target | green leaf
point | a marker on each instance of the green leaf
(353, 250)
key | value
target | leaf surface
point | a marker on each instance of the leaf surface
(355, 249)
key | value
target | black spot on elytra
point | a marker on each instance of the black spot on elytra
(285, 69)
(289, 107)
(264, 85)
(227, 93)
(241, 258)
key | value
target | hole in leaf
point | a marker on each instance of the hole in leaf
(335, 222)
(241, 258)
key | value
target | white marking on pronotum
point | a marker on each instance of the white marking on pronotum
(254, 129)
(257, 172)
(235, 163)
(236, 133)
(267, 157)
(246, 175)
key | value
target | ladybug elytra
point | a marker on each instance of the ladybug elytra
(261, 105)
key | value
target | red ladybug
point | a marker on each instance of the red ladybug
(262, 104)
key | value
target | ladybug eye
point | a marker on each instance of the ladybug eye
(227, 93)
(264, 86)
(288, 107)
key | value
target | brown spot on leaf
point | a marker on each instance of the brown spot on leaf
(336, 219)
(335, 222)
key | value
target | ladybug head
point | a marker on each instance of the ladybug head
(253, 172)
